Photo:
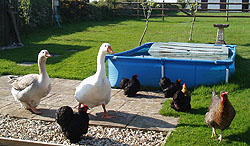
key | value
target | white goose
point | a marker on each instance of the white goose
(95, 90)
(29, 89)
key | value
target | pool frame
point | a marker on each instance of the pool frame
(151, 69)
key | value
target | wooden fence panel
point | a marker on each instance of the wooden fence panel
(2, 23)
(7, 33)
(137, 11)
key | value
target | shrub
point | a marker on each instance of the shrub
(76, 9)
(73, 9)
(99, 10)
(40, 12)
(34, 12)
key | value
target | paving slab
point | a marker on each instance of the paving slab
(120, 119)
(4, 92)
(8, 97)
(64, 86)
(4, 103)
(160, 123)
(140, 112)
(114, 104)
(141, 107)
(4, 82)
(47, 112)
(147, 96)
(60, 100)
(14, 109)
(19, 111)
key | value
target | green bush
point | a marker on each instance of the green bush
(73, 9)
(24, 11)
(99, 10)
(41, 12)
(77, 9)
(34, 12)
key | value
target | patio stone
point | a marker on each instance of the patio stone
(140, 112)
(148, 121)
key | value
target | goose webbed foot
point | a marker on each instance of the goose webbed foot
(106, 115)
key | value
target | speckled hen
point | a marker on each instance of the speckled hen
(221, 113)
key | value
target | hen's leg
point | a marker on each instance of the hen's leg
(220, 138)
(213, 132)
(79, 106)
(106, 115)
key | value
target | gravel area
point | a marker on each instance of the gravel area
(45, 131)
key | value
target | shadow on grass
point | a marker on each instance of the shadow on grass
(241, 75)
(199, 111)
(247, 45)
(35, 41)
(241, 137)
(30, 53)
(44, 32)
(192, 125)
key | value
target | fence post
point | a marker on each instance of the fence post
(162, 10)
(227, 8)
(138, 9)
(53, 11)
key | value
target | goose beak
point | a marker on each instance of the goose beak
(110, 50)
(47, 54)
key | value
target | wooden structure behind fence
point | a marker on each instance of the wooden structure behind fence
(7, 33)
(135, 9)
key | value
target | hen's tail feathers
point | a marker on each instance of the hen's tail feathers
(124, 83)
(213, 93)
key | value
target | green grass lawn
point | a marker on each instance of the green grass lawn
(124, 34)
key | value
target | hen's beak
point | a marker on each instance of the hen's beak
(110, 50)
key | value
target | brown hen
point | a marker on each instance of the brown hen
(221, 113)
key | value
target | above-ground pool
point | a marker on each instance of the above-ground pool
(196, 64)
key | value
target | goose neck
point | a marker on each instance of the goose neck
(42, 67)
(100, 62)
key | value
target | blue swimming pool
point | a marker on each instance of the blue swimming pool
(196, 64)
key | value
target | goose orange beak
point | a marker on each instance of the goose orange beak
(47, 54)
(110, 50)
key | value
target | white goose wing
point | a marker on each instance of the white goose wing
(20, 83)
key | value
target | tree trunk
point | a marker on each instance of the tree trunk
(191, 31)
(146, 27)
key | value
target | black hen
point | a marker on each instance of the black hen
(181, 100)
(170, 91)
(132, 86)
(164, 82)
(124, 83)
(64, 116)
(73, 125)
